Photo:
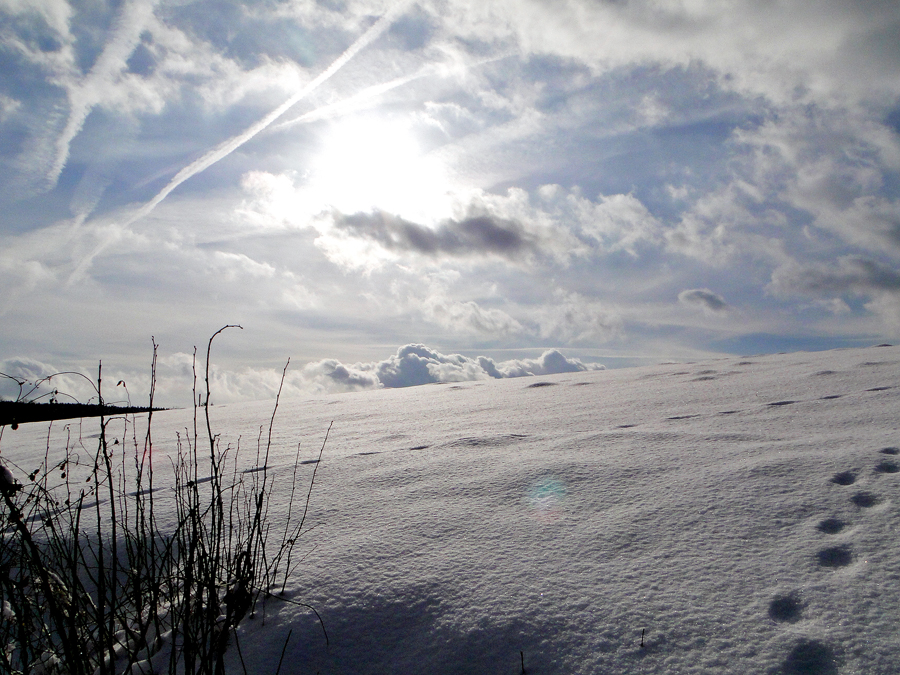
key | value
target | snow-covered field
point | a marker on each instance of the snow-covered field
(741, 513)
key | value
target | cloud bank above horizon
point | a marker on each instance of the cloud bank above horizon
(412, 365)
(624, 181)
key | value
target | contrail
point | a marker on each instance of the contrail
(126, 36)
(357, 99)
(232, 144)
(361, 97)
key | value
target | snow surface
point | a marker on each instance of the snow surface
(742, 512)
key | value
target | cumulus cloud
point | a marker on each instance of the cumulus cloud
(268, 284)
(619, 222)
(833, 164)
(331, 375)
(41, 380)
(569, 222)
(704, 299)
(417, 364)
(551, 362)
(412, 365)
(19, 277)
(715, 227)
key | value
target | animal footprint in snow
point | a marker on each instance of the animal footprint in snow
(811, 657)
(887, 466)
(835, 556)
(844, 478)
(831, 526)
(786, 608)
(865, 499)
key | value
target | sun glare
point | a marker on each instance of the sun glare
(369, 163)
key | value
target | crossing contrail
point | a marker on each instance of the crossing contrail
(127, 29)
(360, 98)
(348, 104)
(227, 147)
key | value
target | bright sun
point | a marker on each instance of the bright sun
(369, 163)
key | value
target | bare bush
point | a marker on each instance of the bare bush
(92, 584)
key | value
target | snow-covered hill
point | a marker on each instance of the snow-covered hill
(742, 514)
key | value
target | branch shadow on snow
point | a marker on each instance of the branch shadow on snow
(400, 631)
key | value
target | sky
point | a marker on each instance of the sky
(356, 183)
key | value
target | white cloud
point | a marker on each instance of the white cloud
(19, 277)
(886, 306)
(330, 376)
(514, 227)
(56, 13)
(54, 54)
(709, 228)
(274, 202)
(411, 365)
(550, 224)
(652, 111)
(573, 318)
(235, 265)
(469, 318)
(28, 379)
(551, 362)
(8, 106)
(417, 364)
(832, 164)
(829, 49)
(871, 222)
(178, 64)
(619, 222)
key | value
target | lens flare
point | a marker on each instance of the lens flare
(545, 499)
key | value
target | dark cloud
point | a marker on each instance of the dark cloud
(478, 234)
(704, 299)
(853, 274)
